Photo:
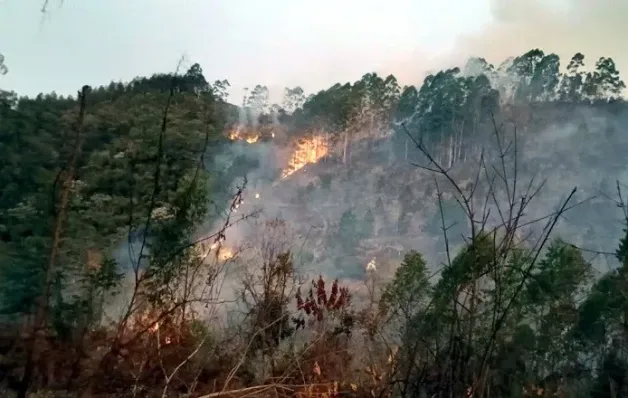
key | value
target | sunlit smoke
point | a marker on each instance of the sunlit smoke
(563, 27)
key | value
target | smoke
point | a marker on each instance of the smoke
(593, 28)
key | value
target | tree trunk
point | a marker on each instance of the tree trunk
(344, 150)
(406, 156)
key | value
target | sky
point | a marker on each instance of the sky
(281, 43)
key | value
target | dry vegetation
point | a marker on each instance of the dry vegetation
(512, 313)
(295, 338)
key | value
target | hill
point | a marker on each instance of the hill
(364, 171)
(158, 241)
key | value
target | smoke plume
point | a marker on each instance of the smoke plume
(593, 28)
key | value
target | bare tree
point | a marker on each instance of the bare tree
(472, 303)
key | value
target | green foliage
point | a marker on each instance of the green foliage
(603, 83)
(528, 322)
(409, 290)
(544, 335)
(570, 89)
(367, 104)
(112, 192)
(293, 99)
(622, 250)
(451, 108)
(560, 275)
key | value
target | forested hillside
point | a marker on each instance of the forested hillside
(366, 240)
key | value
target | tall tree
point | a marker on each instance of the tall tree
(293, 98)
(571, 83)
(219, 89)
(367, 225)
(3, 68)
(258, 99)
(523, 69)
(607, 78)
(545, 78)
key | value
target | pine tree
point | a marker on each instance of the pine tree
(368, 224)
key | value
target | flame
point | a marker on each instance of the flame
(239, 135)
(309, 150)
(225, 253)
(257, 195)
(372, 265)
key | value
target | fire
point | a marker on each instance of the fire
(225, 253)
(249, 137)
(371, 266)
(222, 252)
(309, 150)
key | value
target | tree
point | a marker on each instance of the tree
(220, 88)
(545, 78)
(524, 69)
(347, 230)
(407, 103)
(403, 223)
(408, 293)
(368, 224)
(607, 77)
(551, 299)
(478, 66)
(194, 81)
(293, 98)
(257, 100)
(571, 83)
(114, 186)
(604, 83)
(498, 317)
(3, 68)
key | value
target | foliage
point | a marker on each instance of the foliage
(409, 289)
(501, 318)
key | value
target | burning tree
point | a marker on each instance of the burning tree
(307, 151)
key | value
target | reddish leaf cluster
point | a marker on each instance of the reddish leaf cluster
(316, 304)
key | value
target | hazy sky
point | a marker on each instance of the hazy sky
(286, 42)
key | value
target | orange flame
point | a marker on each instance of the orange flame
(225, 253)
(249, 137)
(222, 252)
(309, 150)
